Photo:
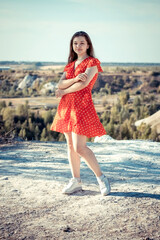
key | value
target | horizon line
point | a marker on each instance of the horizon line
(63, 62)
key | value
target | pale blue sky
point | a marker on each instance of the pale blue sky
(121, 30)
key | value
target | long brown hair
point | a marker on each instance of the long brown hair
(90, 51)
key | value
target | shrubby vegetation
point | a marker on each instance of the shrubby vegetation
(129, 83)
(9, 82)
(119, 121)
(28, 125)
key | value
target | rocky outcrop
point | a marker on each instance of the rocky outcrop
(38, 82)
(153, 121)
(27, 81)
(51, 86)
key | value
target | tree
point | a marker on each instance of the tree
(124, 114)
(137, 112)
(5, 86)
(110, 128)
(137, 102)
(152, 109)
(144, 131)
(2, 105)
(154, 83)
(37, 133)
(154, 135)
(144, 112)
(118, 105)
(31, 125)
(22, 133)
(124, 97)
(48, 117)
(22, 110)
(114, 114)
(10, 104)
(61, 138)
(124, 130)
(8, 118)
(44, 135)
(7, 113)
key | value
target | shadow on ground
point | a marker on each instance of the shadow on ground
(122, 162)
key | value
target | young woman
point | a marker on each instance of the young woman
(76, 116)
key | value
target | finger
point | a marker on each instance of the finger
(85, 74)
(84, 78)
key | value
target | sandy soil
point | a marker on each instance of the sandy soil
(52, 67)
(32, 101)
(43, 101)
(32, 175)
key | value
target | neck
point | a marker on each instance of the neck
(81, 57)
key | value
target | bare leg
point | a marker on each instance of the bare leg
(79, 144)
(74, 158)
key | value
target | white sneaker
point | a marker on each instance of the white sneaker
(73, 186)
(104, 185)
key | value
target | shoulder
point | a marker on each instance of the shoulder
(94, 62)
(68, 66)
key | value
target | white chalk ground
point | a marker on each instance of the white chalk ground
(32, 175)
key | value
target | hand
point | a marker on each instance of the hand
(59, 93)
(81, 77)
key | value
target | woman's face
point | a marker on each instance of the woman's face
(80, 45)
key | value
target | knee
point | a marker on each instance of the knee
(69, 141)
(79, 149)
(70, 146)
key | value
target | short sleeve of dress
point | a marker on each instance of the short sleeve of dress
(94, 62)
(67, 67)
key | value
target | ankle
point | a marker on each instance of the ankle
(100, 177)
(77, 178)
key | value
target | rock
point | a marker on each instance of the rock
(153, 121)
(103, 139)
(26, 82)
(6, 178)
(68, 229)
(51, 86)
(37, 82)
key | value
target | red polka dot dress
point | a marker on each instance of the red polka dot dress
(76, 112)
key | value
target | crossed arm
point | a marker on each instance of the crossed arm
(77, 83)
